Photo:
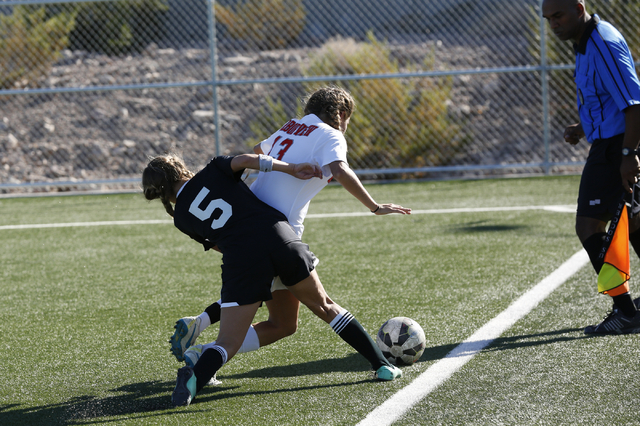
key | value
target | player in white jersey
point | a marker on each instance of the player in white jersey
(317, 138)
(309, 138)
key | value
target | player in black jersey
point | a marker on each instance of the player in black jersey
(215, 208)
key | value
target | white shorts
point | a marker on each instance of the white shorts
(276, 284)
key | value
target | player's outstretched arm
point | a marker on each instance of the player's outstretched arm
(391, 208)
(348, 179)
(267, 164)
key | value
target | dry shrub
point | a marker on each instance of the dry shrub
(265, 24)
(30, 43)
(398, 122)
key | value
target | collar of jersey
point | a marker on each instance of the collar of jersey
(581, 47)
(181, 188)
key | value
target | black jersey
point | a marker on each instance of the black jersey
(216, 208)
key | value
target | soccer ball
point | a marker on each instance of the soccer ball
(401, 341)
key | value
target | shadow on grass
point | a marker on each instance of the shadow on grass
(564, 335)
(485, 226)
(138, 400)
(211, 393)
(436, 353)
(148, 400)
(350, 363)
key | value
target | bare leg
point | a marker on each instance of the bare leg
(283, 318)
(234, 323)
(312, 294)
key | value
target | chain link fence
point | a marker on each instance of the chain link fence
(445, 88)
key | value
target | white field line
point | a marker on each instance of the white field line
(84, 224)
(393, 408)
(558, 208)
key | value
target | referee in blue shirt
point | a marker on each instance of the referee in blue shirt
(608, 97)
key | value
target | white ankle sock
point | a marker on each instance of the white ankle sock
(205, 321)
(251, 341)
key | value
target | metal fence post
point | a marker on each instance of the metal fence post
(214, 83)
(544, 73)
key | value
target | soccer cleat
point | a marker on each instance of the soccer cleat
(191, 357)
(636, 302)
(616, 323)
(387, 373)
(187, 331)
(185, 389)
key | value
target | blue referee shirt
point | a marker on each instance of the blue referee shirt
(606, 80)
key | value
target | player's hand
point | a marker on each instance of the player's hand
(306, 171)
(573, 133)
(391, 208)
(629, 170)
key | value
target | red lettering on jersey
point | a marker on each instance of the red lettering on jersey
(301, 130)
(297, 129)
(310, 129)
(287, 126)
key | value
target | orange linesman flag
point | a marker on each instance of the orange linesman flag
(613, 278)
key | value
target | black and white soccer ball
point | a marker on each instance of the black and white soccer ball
(401, 340)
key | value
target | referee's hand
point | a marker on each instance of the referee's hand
(629, 169)
(573, 133)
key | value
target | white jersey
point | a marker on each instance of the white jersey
(308, 140)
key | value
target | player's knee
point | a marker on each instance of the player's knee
(326, 311)
(284, 326)
(289, 328)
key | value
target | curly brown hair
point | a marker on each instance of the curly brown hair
(328, 102)
(159, 177)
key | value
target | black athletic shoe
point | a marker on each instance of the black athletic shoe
(185, 389)
(636, 302)
(616, 323)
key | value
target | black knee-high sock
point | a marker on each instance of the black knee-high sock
(213, 311)
(209, 363)
(625, 304)
(350, 330)
(593, 246)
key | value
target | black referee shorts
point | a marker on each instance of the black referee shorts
(249, 269)
(601, 183)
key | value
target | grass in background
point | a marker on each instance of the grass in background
(87, 312)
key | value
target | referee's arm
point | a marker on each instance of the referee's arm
(630, 166)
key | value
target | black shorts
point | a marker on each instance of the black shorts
(248, 269)
(601, 183)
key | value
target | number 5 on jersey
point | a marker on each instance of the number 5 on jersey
(214, 205)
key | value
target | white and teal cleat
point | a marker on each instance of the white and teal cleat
(187, 331)
(192, 355)
(386, 373)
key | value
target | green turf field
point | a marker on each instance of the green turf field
(86, 312)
